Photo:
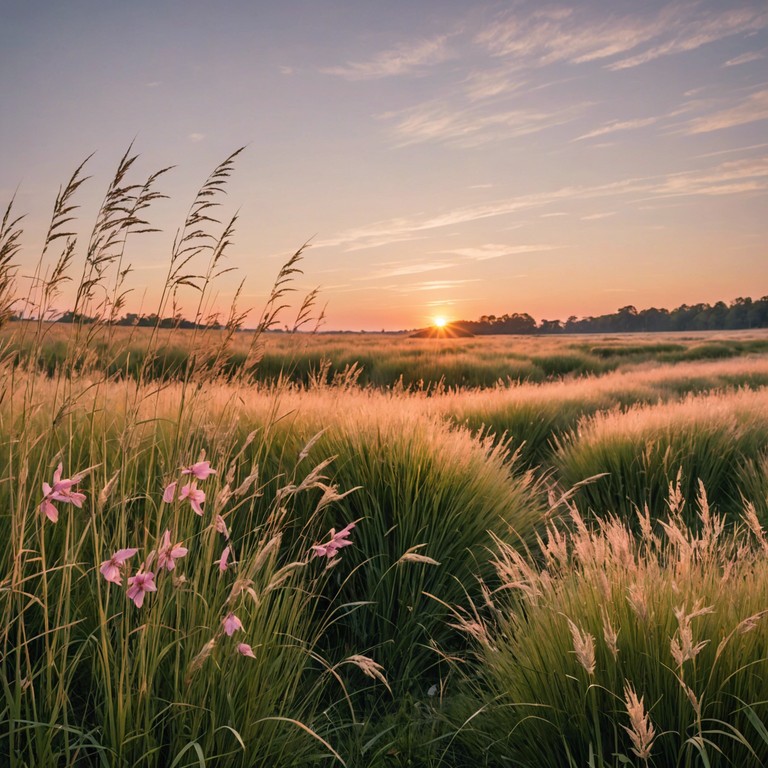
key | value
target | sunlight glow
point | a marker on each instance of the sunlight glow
(440, 322)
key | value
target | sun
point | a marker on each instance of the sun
(439, 322)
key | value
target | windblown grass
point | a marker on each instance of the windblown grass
(624, 651)
(647, 449)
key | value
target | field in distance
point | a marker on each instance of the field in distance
(382, 360)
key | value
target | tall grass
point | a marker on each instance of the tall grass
(88, 677)
(646, 449)
(624, 651)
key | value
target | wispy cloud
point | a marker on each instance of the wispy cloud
(745, 58)
(687, 32)
(436, 285)
(403, 60)
(496, 250)
(735, 150)
(729, 178)
(196, 137)
(402, 268)
(461, 126)
(618, 125)
(752, 109)
(490, 83)
(574, 35)
(598, 216)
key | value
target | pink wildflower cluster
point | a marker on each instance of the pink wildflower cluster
(143, 581)
(60, 491)
(331, 547)
(201, 470)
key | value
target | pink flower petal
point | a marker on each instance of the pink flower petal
(195, 495)
(245, 650)
(49, 510)
(124, 554)
(111, 572)
(231, 624)
(222, 561)
(169, 492)
(200, 470)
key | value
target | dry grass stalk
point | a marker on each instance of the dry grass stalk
(583, 647)
(640, 730)
(682, 646)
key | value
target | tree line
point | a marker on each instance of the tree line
(741, 313)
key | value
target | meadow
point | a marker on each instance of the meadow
(237, 548)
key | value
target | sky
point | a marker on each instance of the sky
(442, 157)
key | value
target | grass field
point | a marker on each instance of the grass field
(292, 550)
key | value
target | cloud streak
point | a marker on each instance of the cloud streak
(401, 269)
(752, 109)
(574, 35)
(496, 251)
(403, 60)
(466, 127)
(618, 125)
(745, 58)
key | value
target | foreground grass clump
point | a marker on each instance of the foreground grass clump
(137, 630)
(135, 639)
(623, 651)
(711, 438)
(429, 499)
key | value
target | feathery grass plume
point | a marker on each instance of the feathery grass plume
(682, 646)
(640, 730)
(413, 556)
(10, 234)
(610, 635)
(750, 518)
(368, 667)
(583, 647)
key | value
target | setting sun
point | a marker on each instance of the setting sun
(440, 322)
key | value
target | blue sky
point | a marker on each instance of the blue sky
(445, 158)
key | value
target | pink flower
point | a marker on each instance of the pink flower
(47, 508)
(201, 470)
(222, 561)
(221, 526)
(139, 585)
(246, 650)
(61, 491)
(169, 553)
(110, 569)
(195, 495)
(231, 624)
(336, 542)
(169, 492)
